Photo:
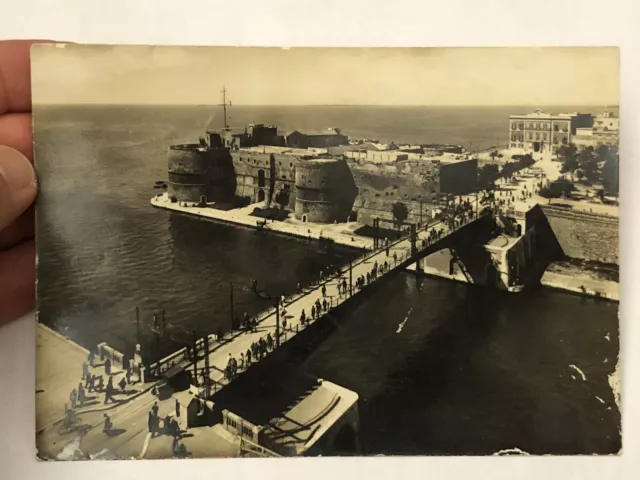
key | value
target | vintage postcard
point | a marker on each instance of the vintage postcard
(279, 252)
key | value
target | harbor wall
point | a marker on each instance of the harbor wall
(585, 235)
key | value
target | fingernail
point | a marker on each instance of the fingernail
(16, 169)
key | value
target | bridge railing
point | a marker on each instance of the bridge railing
(289, 332)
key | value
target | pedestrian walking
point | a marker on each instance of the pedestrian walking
(155, 409)
(85, 370)
(122, 384)
(91, 384)
(324, 305)
(108, 394)
(167, 425)
(100, 383)
(313, 311)
(284, 323)
(324, 291)
(107, 425)
(129, 376)
(107, 366)
(248, 357)
(175, 428)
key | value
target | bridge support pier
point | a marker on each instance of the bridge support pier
(420, 266)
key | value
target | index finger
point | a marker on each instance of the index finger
(15, 75)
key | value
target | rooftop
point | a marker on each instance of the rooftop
(284, 150)
(540, 114)
(311, 133)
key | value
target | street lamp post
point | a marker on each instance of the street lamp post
(350, 278)
(278, 323)
(231, 304)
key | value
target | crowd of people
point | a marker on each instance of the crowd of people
(94, 383)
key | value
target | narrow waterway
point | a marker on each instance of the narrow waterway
(441, 368)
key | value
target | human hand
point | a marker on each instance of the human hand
(17, 183)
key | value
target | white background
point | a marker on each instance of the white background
(342, 23)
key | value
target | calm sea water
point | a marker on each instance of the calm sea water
(441, 368)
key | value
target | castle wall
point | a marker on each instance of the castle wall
(585, 235)
(196, 172)
(255, 185)
(325, 190)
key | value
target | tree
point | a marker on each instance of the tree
(282, 198)
(610, 175)
(588, 163)
(509, 169)
(487, 175)
(568, 154)
(526, 161)
(400, 213)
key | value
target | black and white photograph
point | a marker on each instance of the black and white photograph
(289, 252)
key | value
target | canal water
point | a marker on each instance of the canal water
(440, 367)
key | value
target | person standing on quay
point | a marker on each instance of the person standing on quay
(107, 366)
(73, 397)
(107, 425)
(81, 395)
(151, 422)
(177, 408)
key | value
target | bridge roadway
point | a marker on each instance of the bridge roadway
(240, 342)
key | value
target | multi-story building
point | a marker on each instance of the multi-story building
(605, 131)
(544, 132)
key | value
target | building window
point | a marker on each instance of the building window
(544, 136)
(537, 136)
(513, 125)
(284, 177)
(556, 127)
(530, 136)
(521, 126)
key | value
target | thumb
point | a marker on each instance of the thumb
(17, 185)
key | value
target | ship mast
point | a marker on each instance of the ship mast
(224, 106)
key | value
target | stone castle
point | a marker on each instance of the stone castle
(322, 177)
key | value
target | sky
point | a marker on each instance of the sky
(87, 74)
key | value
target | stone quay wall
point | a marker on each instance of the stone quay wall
(585, 235)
